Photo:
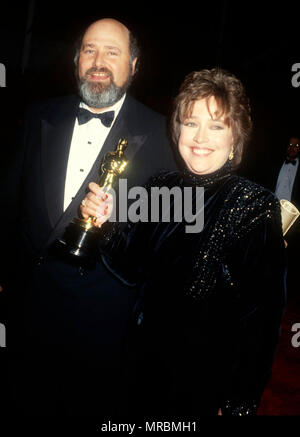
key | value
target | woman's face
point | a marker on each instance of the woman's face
(205, 142)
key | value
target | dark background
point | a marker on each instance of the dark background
(258, 41)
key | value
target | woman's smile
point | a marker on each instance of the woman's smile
(202, 151)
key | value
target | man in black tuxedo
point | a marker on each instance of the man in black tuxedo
(287, 187)
(288, 180)
(76, 319)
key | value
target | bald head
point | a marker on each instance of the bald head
(111, 31)
(108, 25)
(114, 27)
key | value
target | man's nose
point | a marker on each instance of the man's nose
(98, 59)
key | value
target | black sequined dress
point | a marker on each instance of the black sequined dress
(211, 302)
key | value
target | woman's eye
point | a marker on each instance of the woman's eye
(189, 124)
(217, 127)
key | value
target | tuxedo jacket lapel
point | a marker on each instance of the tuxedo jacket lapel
(296, 189)
(124, 127)
(55, 151)
(56, 136)
(60, 138)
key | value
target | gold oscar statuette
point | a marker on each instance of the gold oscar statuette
(79, 242)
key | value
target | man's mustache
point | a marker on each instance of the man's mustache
(98, 70)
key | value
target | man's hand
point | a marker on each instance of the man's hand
(97, 204)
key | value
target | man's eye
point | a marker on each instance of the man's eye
(89, 51)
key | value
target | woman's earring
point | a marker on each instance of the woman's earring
(231, 155)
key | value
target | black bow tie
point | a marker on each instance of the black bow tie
(290, 161)
(84, 116)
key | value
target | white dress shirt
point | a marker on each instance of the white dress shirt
(87, 141)
(286, 179)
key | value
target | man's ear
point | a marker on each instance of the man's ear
(133, 68)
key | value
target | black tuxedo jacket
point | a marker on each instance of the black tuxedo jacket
(270, 180)
(296, 189)
(293, 235)
(295, 198)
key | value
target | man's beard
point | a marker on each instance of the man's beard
(98, 95)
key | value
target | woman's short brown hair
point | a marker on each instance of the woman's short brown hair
(231, 100)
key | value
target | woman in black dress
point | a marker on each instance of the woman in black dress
(211, 302)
